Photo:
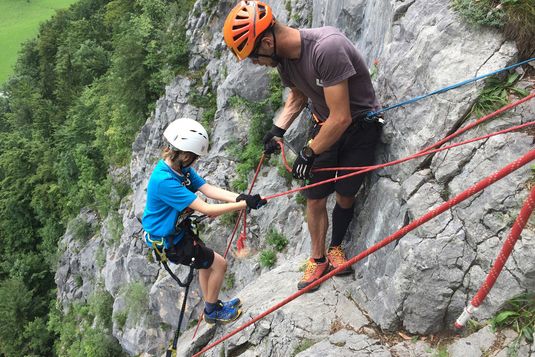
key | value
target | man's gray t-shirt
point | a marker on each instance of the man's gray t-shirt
(328, 58)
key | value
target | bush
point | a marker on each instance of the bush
(496, 94)
(101, 305)
(268, 258)
(515, 17)
(81, 229)
(230, 280)
(277, 240)
(120, 318)
(260, 117)
(229, 219)
(137, 298)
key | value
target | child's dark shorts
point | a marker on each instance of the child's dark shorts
(189, 247)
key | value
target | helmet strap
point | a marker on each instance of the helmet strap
(274, 56)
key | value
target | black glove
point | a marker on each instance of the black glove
(253, 201)
(270, 144)
(303, 163)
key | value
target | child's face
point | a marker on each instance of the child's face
(187, 158)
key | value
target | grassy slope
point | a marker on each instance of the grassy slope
(19, 22)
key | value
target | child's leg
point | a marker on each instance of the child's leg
(211, 279)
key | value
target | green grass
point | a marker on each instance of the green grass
(268, 258)
(276, 239)
(518, 314)
(19, 22)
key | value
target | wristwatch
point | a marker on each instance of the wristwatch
(308, 152)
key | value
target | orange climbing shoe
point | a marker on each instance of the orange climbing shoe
(313, 271)
(337, 257)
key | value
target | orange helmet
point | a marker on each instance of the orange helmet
(244, 24)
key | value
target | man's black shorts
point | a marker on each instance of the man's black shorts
(356, 147)
(191, 246)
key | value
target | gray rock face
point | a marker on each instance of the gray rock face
(419, 283)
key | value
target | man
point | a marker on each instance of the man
(322, 66)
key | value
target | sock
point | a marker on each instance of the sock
(341, 218)
(209, 307)
(320, 260)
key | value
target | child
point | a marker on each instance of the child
(171, 199)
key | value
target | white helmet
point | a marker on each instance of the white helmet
(187, 135)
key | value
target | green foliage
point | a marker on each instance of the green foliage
(268, 258)
(260, 116)
(120, 319)
(209, 104)
(16, 310)
(441, 351)
(85, 330)
(115, 227)
(81, 229)
(515, 17)
(283, 172)
(78, 95)
(496, 94)
(518, 314)
(137, 300)
(276, 239)
(301, 199)
(101, 305)
(483, 12)
(303, 345)
(230, 280)
(229, 219)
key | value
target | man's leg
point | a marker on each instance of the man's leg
(341, 218)
(318, 222)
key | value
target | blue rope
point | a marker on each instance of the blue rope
(445, 89)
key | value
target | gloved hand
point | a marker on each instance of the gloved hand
(270, 144)
(252, 201)
(303, 163)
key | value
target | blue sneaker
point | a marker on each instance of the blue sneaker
(223, 315)
(236, 302)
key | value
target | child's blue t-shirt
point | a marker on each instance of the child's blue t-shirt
(168, 194)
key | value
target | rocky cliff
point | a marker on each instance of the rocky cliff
(418, 285)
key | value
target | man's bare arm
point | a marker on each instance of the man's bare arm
(337, 99)
(292, 107)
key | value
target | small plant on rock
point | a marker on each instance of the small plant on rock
(268, 258)
(518, 314)
(277, 240)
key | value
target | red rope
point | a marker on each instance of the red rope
(397, 235)
(501, 259)
(395, 162)
(449, 137)
(240, 244)
(359, 170)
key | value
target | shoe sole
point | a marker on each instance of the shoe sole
(317, 286)
(344, 272)
(222, 322)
